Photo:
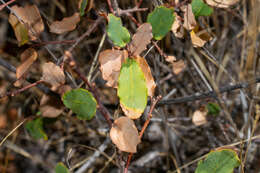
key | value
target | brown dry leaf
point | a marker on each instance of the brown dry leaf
(50, 106)
(3, 121)
(141, 39)
(53, 74)
(199, 117)
(124, 134)
(31, 17)
(65, 25)
(221, 3)
(177, 27)
(189, 18)
(110, 65)
(150, 84)
(178, 66)
(27, 57)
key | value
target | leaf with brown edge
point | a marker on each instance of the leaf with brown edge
(221, 3)
(141, 39)
(189, 18)
(131, 113)
(150, 84)
(65, 25)
(31, 17)
(124, 134)
(53, 74)
(27, 57)
(51, 106)
(110, 65)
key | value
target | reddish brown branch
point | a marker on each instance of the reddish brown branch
(13, 93)
(139, 3)
(110, 6)
(53, 42)
(153, 103)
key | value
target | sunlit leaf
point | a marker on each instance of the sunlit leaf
(116, 32)
(220, 161)
(161, 20)
(132, 90)
(35, 128)
(199, 8)
(81, 102)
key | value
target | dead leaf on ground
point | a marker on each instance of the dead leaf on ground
(141, 39)
(189, 18)
(199, 117)
(199, 37)
(150, 84)
(27, 57)
(50, 106)
(65, 25)
(177, 27)
(110, 65)
(31, 17)
(221, 3)
(124, 134)
(178, 66)
(52, 74)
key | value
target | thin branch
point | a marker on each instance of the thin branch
(210, 94)
(6, 4)
(110, 6)
(132, 10)
(150, 115)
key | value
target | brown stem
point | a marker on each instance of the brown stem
(135, 9)
(154, 102)
(110, 6)
(139, 3)
(13, 93)
(53, 42)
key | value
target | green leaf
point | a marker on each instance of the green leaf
(83, 6)
(220, 161)
(116, 32)
(132, 90)
(61, 168)
(35, 128)
(213, 109)
(81, 102)
(161, 20)
(199, 8)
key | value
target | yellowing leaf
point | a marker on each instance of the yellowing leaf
(67, 24)
(20, 31)
(110, 65)
(199, 37)
(150, 84)
(53, 74)
(221, 3)
(28, 57)
(31, 17)
(124, 134)
(132, 89)
(141, 39)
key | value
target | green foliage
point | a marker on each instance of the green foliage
(161, 20)
(213, 109)
(220, 161)
(35, 128)
(116, 32)
(81, 102)
(199, 8)
(61, 168)
(83, 6)
(132, 90)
